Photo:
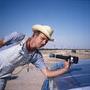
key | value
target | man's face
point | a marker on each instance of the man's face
(40, 40)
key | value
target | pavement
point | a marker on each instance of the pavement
(24, 80)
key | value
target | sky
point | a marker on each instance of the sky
(70, 20)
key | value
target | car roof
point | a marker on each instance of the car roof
(77, 77)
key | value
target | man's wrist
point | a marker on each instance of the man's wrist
(65, 69)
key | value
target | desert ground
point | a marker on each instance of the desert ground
(33, 79)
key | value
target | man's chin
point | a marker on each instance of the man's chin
(40, 47)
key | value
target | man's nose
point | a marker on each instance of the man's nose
(44, 42)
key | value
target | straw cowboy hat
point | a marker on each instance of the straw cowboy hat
(46, 30)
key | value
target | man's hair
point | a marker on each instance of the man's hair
(36, 33)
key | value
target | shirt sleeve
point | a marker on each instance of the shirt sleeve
(39, 62)
(13, 37)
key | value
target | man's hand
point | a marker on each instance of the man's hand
(1, 42)
(67, 65)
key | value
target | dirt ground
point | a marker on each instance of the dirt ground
(33, 79)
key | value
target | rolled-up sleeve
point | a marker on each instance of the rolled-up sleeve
(39, 62)
(13, 37)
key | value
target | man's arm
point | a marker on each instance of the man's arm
(12, 38)
(51, 73)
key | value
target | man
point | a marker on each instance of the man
(19, 50)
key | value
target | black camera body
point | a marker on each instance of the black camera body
(71, 59)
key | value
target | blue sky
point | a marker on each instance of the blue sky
(70, 20)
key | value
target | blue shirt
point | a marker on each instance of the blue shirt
(15, 54)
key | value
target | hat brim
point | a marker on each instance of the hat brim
(50, 39)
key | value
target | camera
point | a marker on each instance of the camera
(71, 59)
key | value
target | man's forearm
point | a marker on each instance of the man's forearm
(55, 73)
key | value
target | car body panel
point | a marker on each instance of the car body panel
(77, 78)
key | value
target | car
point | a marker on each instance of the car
(77, 78)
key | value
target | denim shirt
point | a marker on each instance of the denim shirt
(16, 54)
